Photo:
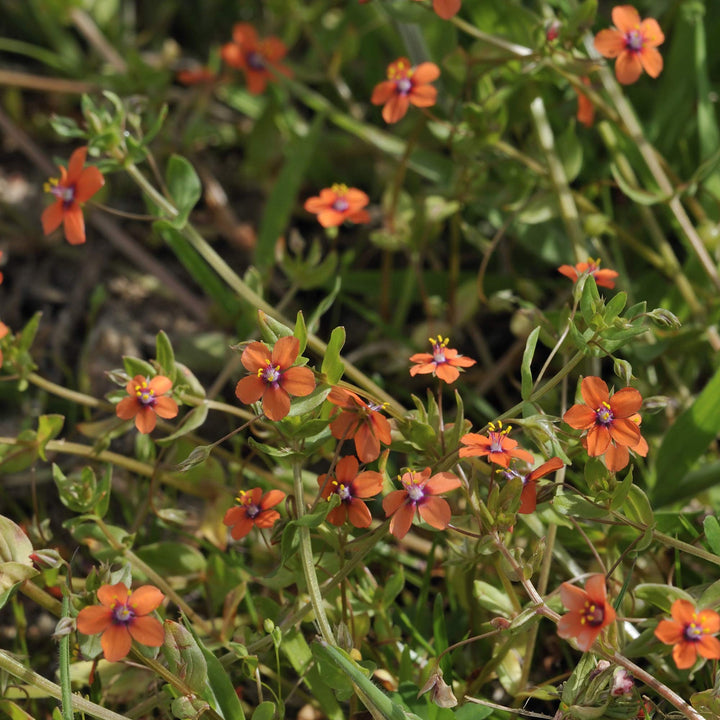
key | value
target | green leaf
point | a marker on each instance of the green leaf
(184, 187)
(300, 331)
(640, 196)
(282, 199)
(29, 331)
(525, 371)
(164, 355)
(589, 300)
(324, 305)
(173, 558)
(264, 711)
(686, 440)
(49, 427)
(712, 533)
(193, 420)
(184, 656)
(135, 366)
(332, 365)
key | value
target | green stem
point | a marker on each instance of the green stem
(306, 557)
(64, 662)
(10, 665)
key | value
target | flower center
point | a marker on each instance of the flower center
(375, 406)
(255, 60)
(341, 204)
(604, 415)
(403, 85)
(252, 510)
(144, 394)
(634, 40)
(415, 492)
(592, 614)
(64, 193)
(122, 614)
(693, 632)
(344, 492)
(270, 373)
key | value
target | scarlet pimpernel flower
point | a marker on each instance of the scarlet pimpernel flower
(633, 42)
(443, 361)
(352, 488)
(528, 496)
(586, 116)
(612, 422)
(337, 204)
(196, 76)
(419, 495)
(122, 617)
(496, 446)
(75, 186)
(253, 509)
(446, 8)
(603, 278)
(691, 633)
(273, 377)
(406, 85)
(258, 59)
(589, 611)
(360, 421)
(146, 401)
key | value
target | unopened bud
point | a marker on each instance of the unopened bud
(440, 692)
(64, 627)
(664, 318)
(552, 31)
(46, 559)
(622, 683)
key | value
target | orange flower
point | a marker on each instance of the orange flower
(443, 362)
(351, 487)
(405, 85)
(196, 76)
(691, 633)
(258, 59)
(496, 445)
(337, 204)
(272, 376)
(360, 421)
(612, 422)
(419, 494)
(589, 611)
(603, 278)
(528, 496)
(446, 8)
(122, 618)
(586, 115)
(76, 185)
(253, 508)
(633, 43)
(146, 401)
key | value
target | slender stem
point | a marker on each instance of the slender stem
(60, 391)
(64, 664)
(306, 556)
(80, 704)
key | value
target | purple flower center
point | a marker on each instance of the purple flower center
(604, 415)
(65, 193)
(415, 492)
(375, 406)
(270, 374)
(255, 60)
(403, 86)
(496, 439)
(122, 614)
(439, 354)
(341, 204)
(252, 510)
(592, 614)
(145, 396)
(344, 492)
(634, 40)
(693, 632)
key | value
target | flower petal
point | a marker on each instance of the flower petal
(145, 599)
(367, 446)
(624, 432)
(442, 482)
(651, 32)
(628, 67)
(573, 597)
(395, 109)
(367, 484)
(669, 632)
(147, 631)
(271, 498)
(685, 655)
(393, 500)
(250, 389)
(402, 520)
(160, 384)
(285, 352)
(298, 381)
(74, 225)
(127, 408)
(616, 457)
(594, 392)
(383, 92)
(598, 440)
(609, 43)
(145, 420)
(528, 498)
(446, 8)
(267, 518)
(625, 18)
(358, 513)
(683, 611)
(166, 407)
(275, 403)
(709, 647)
(625, 402)
(424, 73)
(580, 417)
(255, 356)
(652, 61)
(116, 642)
(75, 166)
(435, 511)
(52, 217)
(109, 595)
(447, 373)
(423, 96)
(91, 180)
(94, 619)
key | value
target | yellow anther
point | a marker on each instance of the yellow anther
(339, 188)
(606, 404)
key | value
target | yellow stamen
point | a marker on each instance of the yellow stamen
(339, 188)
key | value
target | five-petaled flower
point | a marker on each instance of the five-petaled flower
(337, 204)
(360, 421)
(405, 85)
(612, 422)
(690, 631)
(146, 400)
(273, 377)
(253, 508)
(603, 278)
(443, 361)
(419, 494)
(122, 617)
(528, 495)
(446, 8)
(496, 445)
(75, 185)
(258, 59)
(589, 611)
(352, 488)
(633, 42)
